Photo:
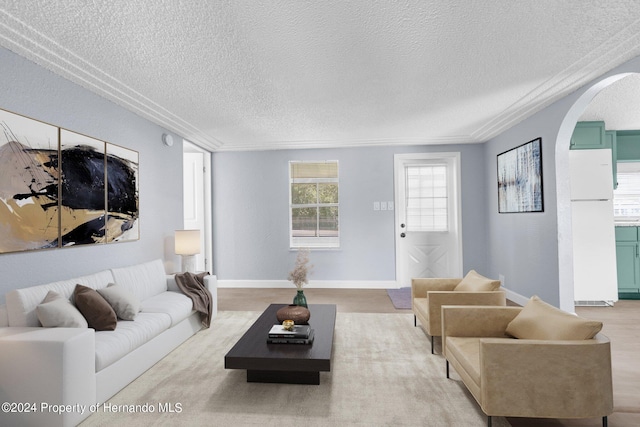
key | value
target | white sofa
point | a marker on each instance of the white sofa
(76, 368)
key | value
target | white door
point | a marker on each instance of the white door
(428, 225)
(194, 201)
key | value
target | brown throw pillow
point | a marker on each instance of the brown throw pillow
(541, 321)
(99, 314)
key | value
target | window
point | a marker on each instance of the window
(427, 198)
(626, 198)
(313, 204)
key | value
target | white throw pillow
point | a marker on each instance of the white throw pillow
(57, 311)
(124, 303)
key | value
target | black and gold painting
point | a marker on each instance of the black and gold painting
(29, 178)
(59, 188)
(122, 194)
(82, 189)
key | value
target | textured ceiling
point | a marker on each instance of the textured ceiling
(617, 105)
(240, 75)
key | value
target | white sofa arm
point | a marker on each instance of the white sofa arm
(4, 316)
(49, 372)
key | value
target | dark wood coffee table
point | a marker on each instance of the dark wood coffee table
(285, 363)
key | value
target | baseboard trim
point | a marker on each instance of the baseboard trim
(516, 297)
(325, 284)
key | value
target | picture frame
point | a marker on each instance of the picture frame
(29, 180)
(60, 188)
(519, 172)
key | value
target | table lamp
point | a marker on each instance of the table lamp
(187, 245)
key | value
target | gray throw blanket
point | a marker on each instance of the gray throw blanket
(192, 285)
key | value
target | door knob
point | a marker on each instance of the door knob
(402, 235)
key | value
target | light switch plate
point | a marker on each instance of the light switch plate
(376, 206)
(383, 206)
(390, 206)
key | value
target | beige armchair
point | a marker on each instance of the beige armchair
(553, 377)
(428, 295)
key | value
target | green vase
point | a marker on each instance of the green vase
(300, 299)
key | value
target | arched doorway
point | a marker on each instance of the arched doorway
(563, 192)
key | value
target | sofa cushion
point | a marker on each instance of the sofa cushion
(474, 282)
(99, 314)
(542, 321)
(57, 311)
(22, 303)
(143, 280)
(111, 346)
(466, 350)
(177, 305)
(124, 303)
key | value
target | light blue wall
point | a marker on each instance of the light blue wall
(534, 251)
(251, 229)
(30, 90)
(523, 246)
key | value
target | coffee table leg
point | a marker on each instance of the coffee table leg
(287, 377)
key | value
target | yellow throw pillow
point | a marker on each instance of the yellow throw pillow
(541, 321)
(474, 282)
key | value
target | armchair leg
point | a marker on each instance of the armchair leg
(414, 321)
(431, 344)
(488, 420)
(605, 423)
(447, 368)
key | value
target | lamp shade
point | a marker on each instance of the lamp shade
(187, 242)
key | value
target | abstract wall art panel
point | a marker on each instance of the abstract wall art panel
(122, 194)
(520, 179)
(59, 188)
(82, 189)
(28, 184)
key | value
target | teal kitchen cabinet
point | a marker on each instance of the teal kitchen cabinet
(628, 145)
(628, 262)
(588, 136)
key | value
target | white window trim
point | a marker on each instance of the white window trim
(321, 242)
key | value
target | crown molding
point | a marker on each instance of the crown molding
(615, 51)
(26, 41)
(342, 143)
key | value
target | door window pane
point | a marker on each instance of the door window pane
(427, 197)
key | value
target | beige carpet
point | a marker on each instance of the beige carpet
(382, 374)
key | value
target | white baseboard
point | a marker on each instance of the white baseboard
(515, 297)
(325, 284)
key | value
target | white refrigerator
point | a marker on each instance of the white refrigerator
(594, 246)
